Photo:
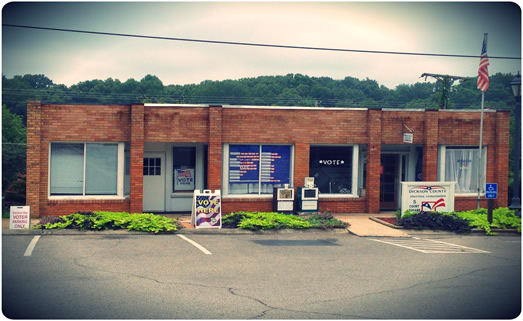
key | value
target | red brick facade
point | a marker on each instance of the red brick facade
(216, 125)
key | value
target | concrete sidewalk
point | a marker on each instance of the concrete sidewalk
(362, 225)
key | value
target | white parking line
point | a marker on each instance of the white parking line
(428, 246)
(31, 246)
(198, 246)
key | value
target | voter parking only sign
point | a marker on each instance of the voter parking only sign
(19, 217)
(491, 190)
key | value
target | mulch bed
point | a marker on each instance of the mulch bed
(390, 220)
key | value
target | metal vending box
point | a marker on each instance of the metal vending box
(283, 200)
(308, 199)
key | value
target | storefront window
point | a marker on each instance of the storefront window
(184, 169)
(462, 166)
(85, 168)
(101, 169)
(331, 167)
(257, 169)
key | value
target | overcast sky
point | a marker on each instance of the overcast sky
(420, 27)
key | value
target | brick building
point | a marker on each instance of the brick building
(151, 157)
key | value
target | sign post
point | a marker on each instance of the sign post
(20, 217)
(206, 209)
(491, 193)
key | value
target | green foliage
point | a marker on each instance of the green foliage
(502, 218)
(435, 221)
(263, 221)
(13, 147)
(111, 220)
(232, 220)
(15, 192)
(270, 220)
(406, 214)
(325, 221)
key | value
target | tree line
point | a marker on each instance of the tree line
(287, 90)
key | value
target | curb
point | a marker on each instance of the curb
(179, 231)
(422, 231)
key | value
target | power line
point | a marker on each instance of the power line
(253, 44)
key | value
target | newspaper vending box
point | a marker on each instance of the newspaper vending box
(283, 199)
(308, 196)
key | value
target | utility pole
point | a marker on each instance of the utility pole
(446, 81)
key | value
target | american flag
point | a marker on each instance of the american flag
(184, 172)
(483, 81)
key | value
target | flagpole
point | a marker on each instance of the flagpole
(483, 84)
(480, 145)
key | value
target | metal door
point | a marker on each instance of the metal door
(154, 182)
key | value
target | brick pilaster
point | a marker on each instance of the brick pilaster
(430, 146)
(34, 121)
(301, 163)
(136, 155)
(501, 156)
(373, 161)
(214, 166)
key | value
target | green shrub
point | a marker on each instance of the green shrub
(232, 220)
(501, 218)
(325, 221)
(271, 220)
(263, 221)
(112, 220)
(435, 221)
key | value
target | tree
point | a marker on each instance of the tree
(13, 147)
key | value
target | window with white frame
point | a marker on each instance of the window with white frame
(461, 164)
(87, 169)
(256, 169)
(334, 168)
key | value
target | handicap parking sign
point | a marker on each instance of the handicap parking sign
(491, 190)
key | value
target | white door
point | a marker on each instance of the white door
(154, 182)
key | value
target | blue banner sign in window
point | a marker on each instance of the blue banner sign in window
(252, 164)
(244, 163)
(275, 164)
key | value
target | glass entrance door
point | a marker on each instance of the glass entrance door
(389, 183)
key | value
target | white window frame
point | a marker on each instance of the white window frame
(442, 156)
(355, 171)
(120, 175)
(225, 171)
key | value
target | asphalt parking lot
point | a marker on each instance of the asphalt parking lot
(310, 275)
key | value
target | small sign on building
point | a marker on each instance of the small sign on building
(491, 191)
(427, 196)
(20, 217)
(207, 209)
(408, 138)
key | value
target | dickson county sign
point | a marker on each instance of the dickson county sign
(427, 196)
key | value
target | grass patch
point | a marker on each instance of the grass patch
(102, 220)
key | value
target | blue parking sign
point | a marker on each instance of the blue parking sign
(491, 190)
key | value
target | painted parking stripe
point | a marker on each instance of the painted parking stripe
(198, 246)
(31, 246)
(428, 246)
